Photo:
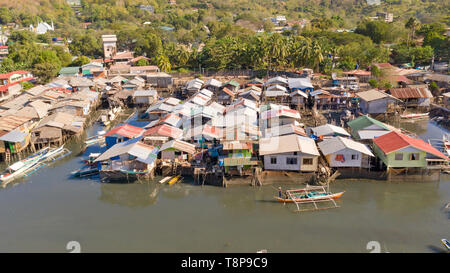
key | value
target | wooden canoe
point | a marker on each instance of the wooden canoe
(314, 198)
(174, 180)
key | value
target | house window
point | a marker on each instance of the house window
(307, 161)
(291, 161)
(354, 157)
(414, 156)
(295, 153)
(273, 160)
(398, 156)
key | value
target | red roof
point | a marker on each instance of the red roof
(3, 46)
(126, 130)
(228, 91)
(164, 130)
(7, 75)
(358, 72)
(394, 141)
(384, 65)
(398, 78)
(139, 58)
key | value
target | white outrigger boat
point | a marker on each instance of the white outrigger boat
(22, 167)
(99, 138)
(32, 163)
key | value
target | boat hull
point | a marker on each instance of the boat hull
(315, 198)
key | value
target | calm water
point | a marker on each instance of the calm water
(47, 210)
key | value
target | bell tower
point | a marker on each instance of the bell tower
(109, 46)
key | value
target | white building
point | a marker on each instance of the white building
(42, 28)
(289, 153)
(344, 152)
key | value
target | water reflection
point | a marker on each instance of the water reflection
(135, 195)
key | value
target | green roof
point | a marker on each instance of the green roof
(234, 83)
(365, 121)
(69, 70)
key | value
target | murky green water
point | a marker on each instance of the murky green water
(48, 210)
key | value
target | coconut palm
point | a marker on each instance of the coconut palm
(163, 63)
(412, 24)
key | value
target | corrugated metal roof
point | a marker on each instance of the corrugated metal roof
(366, 121)
(371, 95)
(336, 144)
(145, 93)
(410, 93)
(286, 129)
(329, 130)
(179, 145)
(144, 153)
(371, 134)
(299, 83)
(394, 141)
(276, 80)
(237, 145)
(126, 130)
(164, 130)
(280, 112)
(11, 122)
(213, 82)
(287, 144)
(14, 136)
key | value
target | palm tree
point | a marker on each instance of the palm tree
(412, 24)
(163, 63)
(316, 56)
(183, 55)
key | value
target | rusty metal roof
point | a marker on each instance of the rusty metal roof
(409, 93)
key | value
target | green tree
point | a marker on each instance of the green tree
(45, 71)
(163, 63)
(373, 83)
(142, 62)
(412, 24)
(80, 61)
(378, 31)
(435, 90)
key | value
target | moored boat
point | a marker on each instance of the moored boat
(414, 116)
(174, 180)
(85, 171)
(309, 195)
(18, 169)
(165, 179)
(312, 196)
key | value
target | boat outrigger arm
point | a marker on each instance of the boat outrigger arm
(297, 197)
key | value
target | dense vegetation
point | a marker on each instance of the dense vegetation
(221, 34)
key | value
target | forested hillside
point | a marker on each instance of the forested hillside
(223, 34)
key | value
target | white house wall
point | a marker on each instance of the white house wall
(281, 164)
(347, 153)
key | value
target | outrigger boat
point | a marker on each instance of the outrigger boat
(310, 194)
(414, 116)
(18, 169)
(99, 138)
(32, 163)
